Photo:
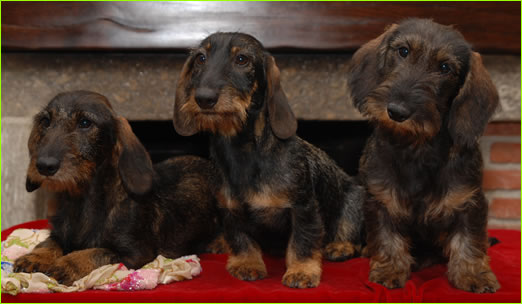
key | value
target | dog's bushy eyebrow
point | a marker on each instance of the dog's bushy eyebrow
(40, 115)
(87, 114)
(193, 50)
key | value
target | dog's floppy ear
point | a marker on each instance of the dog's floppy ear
(474, 104)
(365, 65)
(183, 124)
(31, 185)
(134, 163)
(280, 115)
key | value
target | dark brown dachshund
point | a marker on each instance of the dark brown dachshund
(429, 97)
(279, 192)
(114, 205)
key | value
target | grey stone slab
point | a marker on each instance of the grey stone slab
(18, 205)
(142, 86)
(505, 73)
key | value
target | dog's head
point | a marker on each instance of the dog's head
(229, 79)
(75, 134)
(419, 77)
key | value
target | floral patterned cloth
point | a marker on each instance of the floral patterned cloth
(109, 277)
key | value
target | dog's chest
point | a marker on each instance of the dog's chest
(76, 232)
(262, 205)
(419, 192)
(268, 207)
(84, 223)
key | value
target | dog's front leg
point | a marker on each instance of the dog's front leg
(40, 259)
(390, 263)
(303, 255)
(77, 264)
(245, 261)
(468, 266)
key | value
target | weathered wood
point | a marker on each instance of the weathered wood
(491, 27)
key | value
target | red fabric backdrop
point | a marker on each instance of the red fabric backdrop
(341, 282)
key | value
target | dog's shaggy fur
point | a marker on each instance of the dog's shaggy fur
(429, 97)
(278, 192)
(114, 205)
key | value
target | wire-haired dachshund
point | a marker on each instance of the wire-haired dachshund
(114, 205)
(278, 192)
(429, 97)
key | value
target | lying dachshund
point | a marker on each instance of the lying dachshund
(114, 205)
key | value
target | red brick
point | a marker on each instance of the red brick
(505, 208)
(501, 179)
(503, 152)
(503, 129)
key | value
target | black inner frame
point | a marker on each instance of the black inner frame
(341, 140)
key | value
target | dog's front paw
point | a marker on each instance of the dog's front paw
(339, 251)
(246, 270)
(62, 275)
(70, 268)
(483, 282)
(389, 279)
(301, 279)
(32, 262)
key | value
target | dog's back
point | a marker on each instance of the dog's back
(186, 215)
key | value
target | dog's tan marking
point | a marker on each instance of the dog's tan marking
(267, 198)
(234, 50)
(247, 265)
(340, 250)
(302, 272)
(225, 200)
(387, 196)
(456, 199)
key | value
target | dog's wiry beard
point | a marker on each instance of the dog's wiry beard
(227, 118)
(72, 181)
(416, 130)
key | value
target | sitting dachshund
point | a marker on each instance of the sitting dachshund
(279, 193)
(113, 204)
(429, 98)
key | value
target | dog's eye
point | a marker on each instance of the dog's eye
(445, 68)
(84, 123)
(45, 122)
(201, 59)
(241, 59)
(403, 52)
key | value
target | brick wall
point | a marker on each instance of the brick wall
(501, 151)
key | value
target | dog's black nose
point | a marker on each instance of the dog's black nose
(398, 113)
(206, 98)
(47, 165)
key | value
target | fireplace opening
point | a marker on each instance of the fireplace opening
(343, 141)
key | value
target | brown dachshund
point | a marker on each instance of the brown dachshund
(429, 98)
(114, 205)
(279, 192)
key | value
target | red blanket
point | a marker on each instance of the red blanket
(341, 282)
